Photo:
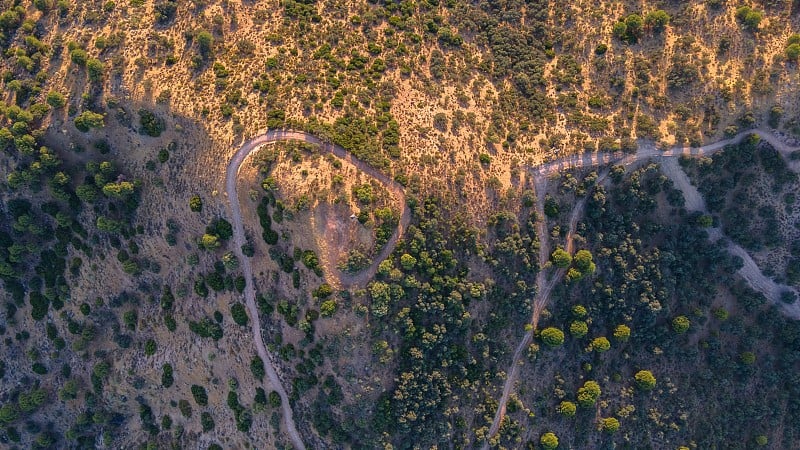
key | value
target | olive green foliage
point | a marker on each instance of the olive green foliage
(629, 29)
(793, 47)
(196, 203)
(645, 380)
(622, 333)
(588, 393)
(561, 258)
(152, 125)
(257, 368)
(567, 408)
(200, 395)
(56, 99)
(657, 20)
(680, 324)
(167, 375)
(578, 329)
(600, 344)
(88, 120)
(609, 425)
(549, 441)
(552, 336)
(239, 314)
(749, 17)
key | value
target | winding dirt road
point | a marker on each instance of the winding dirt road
(545, 284)
(247, 149)
(694, 202)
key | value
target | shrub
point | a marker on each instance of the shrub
(206, 421)
(196, 203)
(680, 324)
(186, 408)
(561, 258)
(257, 367)
(622, 333)
(552, 336)
(578, 329)
(588, 394)
(609, 425)
(600, 344)
(750, 18)
(87, 120)
(96, 69)
(567, 408)
(327, 308)
(657, 19)
(152, 125)
(239, 314)
(549, 441)
(166, 375)
(56, 99)
(150, 347)
(274, 399)
(645, 380)
(200, 395)
(78, 56)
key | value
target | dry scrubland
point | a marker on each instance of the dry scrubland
(454, 100)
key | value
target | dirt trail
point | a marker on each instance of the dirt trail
(694, 202)
(239, 239)
(749, 271)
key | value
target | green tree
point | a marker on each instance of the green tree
(680, 324)
(633, 25)
(609, 425)
(407, 262)
(204, 42)
(749, 17)
(56, 99)
(588, 394)
(121, 190)
(327, 308)
(656, 20)
(584, 263)
(206, 421)
(561, 258)
(579, 311)
(87, 120)
(257, 367)
(578, 329)
(793, 52)
(8, 413)
(239, 314)
(552, 336)
(622, 333)
(200, 395)
(567, 408)
(645, 380)
(78, 56)
(600, 344)
(209, 241)
(150, 347)
(196, 203)
(96, 69)
(549, 441)
(381, 296)
(166, 375)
